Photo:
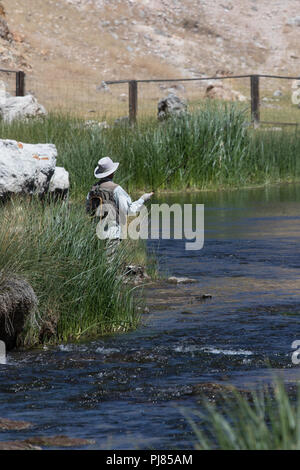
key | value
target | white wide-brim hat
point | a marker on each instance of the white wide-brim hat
(105, 167)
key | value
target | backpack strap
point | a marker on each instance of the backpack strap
(108, 185)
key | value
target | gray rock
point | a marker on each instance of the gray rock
(21, 107)
(30, 169)
(59, 183)
(172, 105)
(12, 425)
(122, 121)
(181, 280)
(295, 21)
(25, 168)
(17, 302)
(4, 31)
(277, 93)
(103, 87)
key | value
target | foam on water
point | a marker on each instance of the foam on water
(103, 350)
(228, 352)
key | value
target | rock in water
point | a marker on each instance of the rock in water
(181, 280)
(17, 302)
(29, 169)
(17, 445)
(21, 107)
(172, 105)
(58, 441)
(12, 425)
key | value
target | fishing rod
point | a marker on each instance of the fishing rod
(173, 171)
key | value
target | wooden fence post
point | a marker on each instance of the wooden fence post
(255, 112)
(133, 100)
(20, 83)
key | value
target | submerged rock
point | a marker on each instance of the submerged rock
(12, 425)
(203, 297)
(58, 441)
(17, 445)
(17, 302)
(218, 392)
(181, 280)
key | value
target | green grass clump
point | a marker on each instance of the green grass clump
(210, 149)
(267, 420)
(55, 248)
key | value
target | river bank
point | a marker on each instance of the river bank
(77, 291)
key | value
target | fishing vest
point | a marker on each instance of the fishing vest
(100, 197)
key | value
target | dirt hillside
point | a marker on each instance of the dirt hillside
(95, 40)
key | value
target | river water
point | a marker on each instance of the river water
(131, 391)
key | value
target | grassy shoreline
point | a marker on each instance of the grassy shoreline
(213, 149)
(81, 294)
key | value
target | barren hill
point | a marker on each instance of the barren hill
(96, 40)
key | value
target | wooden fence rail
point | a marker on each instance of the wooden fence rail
(133, 90)
(254, 92)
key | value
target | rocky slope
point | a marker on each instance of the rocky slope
(157, 37)
(94, 40)
(10, 54)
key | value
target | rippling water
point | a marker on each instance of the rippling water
(127, 391)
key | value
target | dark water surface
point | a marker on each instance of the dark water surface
(127, 391)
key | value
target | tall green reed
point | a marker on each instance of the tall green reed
(209, 149)
(265, 420)
(56, 249)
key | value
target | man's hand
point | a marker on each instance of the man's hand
(147, 196)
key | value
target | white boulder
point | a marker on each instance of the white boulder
(28, 168)
(21, 107)
(59, 183)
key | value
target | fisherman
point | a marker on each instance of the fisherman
(108, 201)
